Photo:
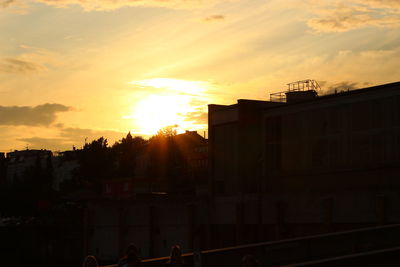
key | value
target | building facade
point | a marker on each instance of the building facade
(343, 141)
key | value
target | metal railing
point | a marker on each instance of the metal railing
(304, 85)
(295, 250)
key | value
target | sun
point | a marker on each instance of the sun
(157, 111)
(168, 102)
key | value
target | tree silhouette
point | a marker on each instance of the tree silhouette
(166, 160)
(167, 131)
(126, 152)
(95, 162)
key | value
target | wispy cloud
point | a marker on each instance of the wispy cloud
(97, 5)
(197, 117)
(41, 115)
(45, 143)
(181, 86)
(6, 3)
(214, 18)
(31, 60)
(68, 137)
(12, 65)
(14, 6)
(342, 86)
(72, 134)
(342, 17)
(380, 3)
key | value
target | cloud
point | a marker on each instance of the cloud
(214, 18)
(381, 3)
(98, 5)
(344, 17)
(79, 135)
(345, 67)
(342, 86)
(198, 102)
(6, 3)
(30, 60)
(197, 117)
(41, 115)
(12, 65)
(68, 137)
(45, 143)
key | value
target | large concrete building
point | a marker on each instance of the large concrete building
(304, 164)
(342, 141)
(235, 151)
(333, 142)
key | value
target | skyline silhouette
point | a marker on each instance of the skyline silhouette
(221, 133)
(73, 69)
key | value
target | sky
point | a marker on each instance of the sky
(72, 71)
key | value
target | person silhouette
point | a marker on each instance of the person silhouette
(131, 258)
(249, 261)
(175, 259)
(90, 261)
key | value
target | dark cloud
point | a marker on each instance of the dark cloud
(342, 87)
(214, 18)
(11, 65)
(42, 115)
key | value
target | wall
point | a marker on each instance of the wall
(156, 223)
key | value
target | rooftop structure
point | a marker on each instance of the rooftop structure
(297, 91)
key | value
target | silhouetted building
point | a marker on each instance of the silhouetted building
(19, 160)
(309, 142)
(194, 149)
(65, 163)
(172, 164)
(3, 167)
(347, 140)
(235, 133)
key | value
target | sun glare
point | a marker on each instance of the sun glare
(157, 111)
(171, 106)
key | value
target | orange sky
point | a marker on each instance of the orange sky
(73, 69)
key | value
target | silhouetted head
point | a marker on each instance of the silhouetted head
(132, 253)
(176, 254)
(249, 261)
(90, 261)
(131, 250)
